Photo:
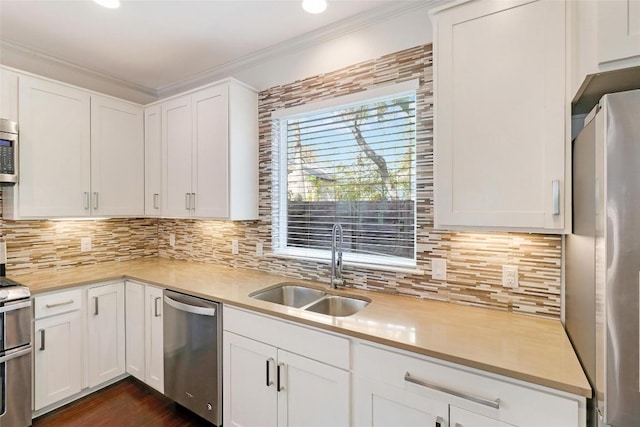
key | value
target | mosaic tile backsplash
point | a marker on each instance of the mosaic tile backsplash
(474, 260)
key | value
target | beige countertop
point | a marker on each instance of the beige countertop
(518, 346)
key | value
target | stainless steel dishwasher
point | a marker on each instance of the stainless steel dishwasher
(193, 354)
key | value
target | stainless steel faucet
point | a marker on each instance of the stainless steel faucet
(336, 262)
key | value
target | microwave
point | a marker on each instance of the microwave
(8, 152)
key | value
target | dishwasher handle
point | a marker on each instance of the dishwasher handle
(204, 311)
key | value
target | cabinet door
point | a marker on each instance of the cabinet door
(135, 329)
(312, 393)
(177, 150)
(152, 160)
(211, 152)
(154, 349)
(618, 29)
(250, 395)
(105, 311)
(57, 358)
(463, 418)
(8, 95)
(54, 150)
(382, 405)
(117, 158)
(500, 115)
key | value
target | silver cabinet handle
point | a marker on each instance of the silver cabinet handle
(95, 200)
(459, 425)
(187, 201)
(59, 304)
(42, 337)
(86, 200)
(155, 303)
(439, 421)
(279, 386)
(96, 308)
(269, 380)
(555, 189)
(193, 201)
(205, 311)
(156, 198)
(477, 399)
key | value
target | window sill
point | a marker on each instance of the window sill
(348, 263)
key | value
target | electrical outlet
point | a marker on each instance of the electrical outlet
(172, 240)
(259, 249)
(234, 247)
(438, 269)
(85, 244)
(510, 276)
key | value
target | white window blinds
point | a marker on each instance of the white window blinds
(355, 166)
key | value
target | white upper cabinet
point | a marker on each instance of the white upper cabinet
(618, 30)
(55, 152)
(500, 139)
(8, 95)
(81, 154)
(210, 154)
(117, 158)
(152, 160)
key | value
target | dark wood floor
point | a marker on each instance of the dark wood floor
(126, 403)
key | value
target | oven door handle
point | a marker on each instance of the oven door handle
(18, 306)
(205, 311)
(15, 355)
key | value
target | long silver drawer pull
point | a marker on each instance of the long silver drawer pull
(555, 189)
(42, 336)
(477, 399)
(155, 303)
(59, 304)
(96, 308)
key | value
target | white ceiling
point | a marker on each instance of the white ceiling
(156, 44)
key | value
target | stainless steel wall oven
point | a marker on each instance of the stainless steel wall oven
(15, 354)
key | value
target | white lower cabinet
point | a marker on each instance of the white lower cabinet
(278, 384)
(144, 333)
(392, 385)
(106, 334)
(154, 338)
(57, 347)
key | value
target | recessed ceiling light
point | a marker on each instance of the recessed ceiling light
(111, 4)
(314, 6)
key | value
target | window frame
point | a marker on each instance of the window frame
(280, 198)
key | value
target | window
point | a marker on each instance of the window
(352, 164)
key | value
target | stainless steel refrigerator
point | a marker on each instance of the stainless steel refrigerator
(603, 258)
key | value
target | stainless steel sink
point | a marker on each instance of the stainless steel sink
(338, 306)
(289, 294)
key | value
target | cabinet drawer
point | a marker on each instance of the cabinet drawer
(56, 303)
(479, 392)
(331, 349)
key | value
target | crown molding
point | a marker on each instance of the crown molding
(148, 94)
(312, 38)
(43, 59)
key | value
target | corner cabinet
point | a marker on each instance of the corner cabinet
(300, 378)
(501, 113)
(210, 153)
(81, 154)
